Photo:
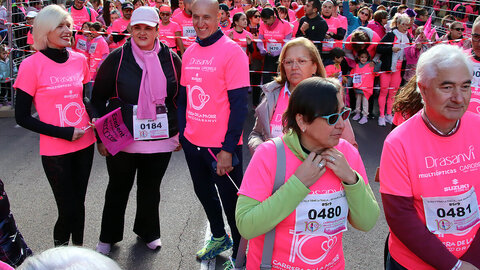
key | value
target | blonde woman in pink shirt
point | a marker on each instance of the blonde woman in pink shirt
(54, 79)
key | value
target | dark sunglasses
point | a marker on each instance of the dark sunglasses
(332, 119)
(256, 16)
(459, 29)
(365, 13)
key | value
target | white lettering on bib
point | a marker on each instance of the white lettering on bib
(189, 31)
(452, 214)
(322, 214)
(274, 47)
(147, 129)
(476, 75)
(357, 78)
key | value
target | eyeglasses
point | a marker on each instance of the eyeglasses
(256, 16)
(244, 5)
(165, 14)
(332, 119)
(365, 13)
(300, 62)
(476, 37)
(459, 29)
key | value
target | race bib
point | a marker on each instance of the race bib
(93, 47)
(189, 31)
(357, 78)
(476, 75)
(329, 43)
(274, 47)
(322, 214)
(452, 214)
(82, 45)
(147, 129)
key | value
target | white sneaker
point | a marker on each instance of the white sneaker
(389, 118)
(381, 121)
(104, 248)
(155, 244)
(356, 117)
(363, 120)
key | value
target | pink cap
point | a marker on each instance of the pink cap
(165, 8)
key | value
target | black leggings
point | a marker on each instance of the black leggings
(205, 179)
(150, 169)
(68, 176)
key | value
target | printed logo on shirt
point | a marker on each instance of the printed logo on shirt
(438, 163)
(298, 242)
(71, 95)
(197, 97)
(456, 187)
(68, 114)
(475, 101)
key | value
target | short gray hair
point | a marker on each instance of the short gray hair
(441, 56)
(69, 258)
(46, 21)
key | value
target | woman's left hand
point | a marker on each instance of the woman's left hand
(338, 164)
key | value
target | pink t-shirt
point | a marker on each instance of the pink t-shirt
(176, 12)
(331, 69)
(209, 73)
(30, 38)
(57, 91)
(235, 11)
(474, 105)
(276, 121)
(333, 23)
(81, 45)
(240, 39)
(363, 78)
(295, 251)
(98, 51)
(166, 32)
(277, 32)
(186, 24)
(428, 165)
(119, 25)
(81, 16)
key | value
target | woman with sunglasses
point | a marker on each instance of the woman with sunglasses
(299, 60)
(322, 181)
(454, 35)
(364, 15)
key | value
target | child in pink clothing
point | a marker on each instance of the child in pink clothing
(335, 70)
(363, 78)
(412, 53)
(82, 40)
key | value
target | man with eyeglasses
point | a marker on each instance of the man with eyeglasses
(80, 14)
(429, 176)
(312, 25)
(474, 105)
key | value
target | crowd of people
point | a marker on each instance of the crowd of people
(176, 76)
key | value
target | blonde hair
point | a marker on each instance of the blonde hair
(399, 19)
(312, 50)
(46, 21)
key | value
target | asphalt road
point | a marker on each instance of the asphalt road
(183, 222)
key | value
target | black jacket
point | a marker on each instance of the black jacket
(316, 32)
(128, 84)
(386, 51)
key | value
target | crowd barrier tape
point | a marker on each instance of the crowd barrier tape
(272, 40)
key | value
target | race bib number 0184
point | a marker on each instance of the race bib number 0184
(148, 129)
(453, 214)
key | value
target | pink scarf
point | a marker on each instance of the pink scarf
(153, 88)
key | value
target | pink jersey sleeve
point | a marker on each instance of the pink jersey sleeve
(260, 174)
(353, 157)
(287, 28)
(236, 70)
(26, 78)
(394, 178)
